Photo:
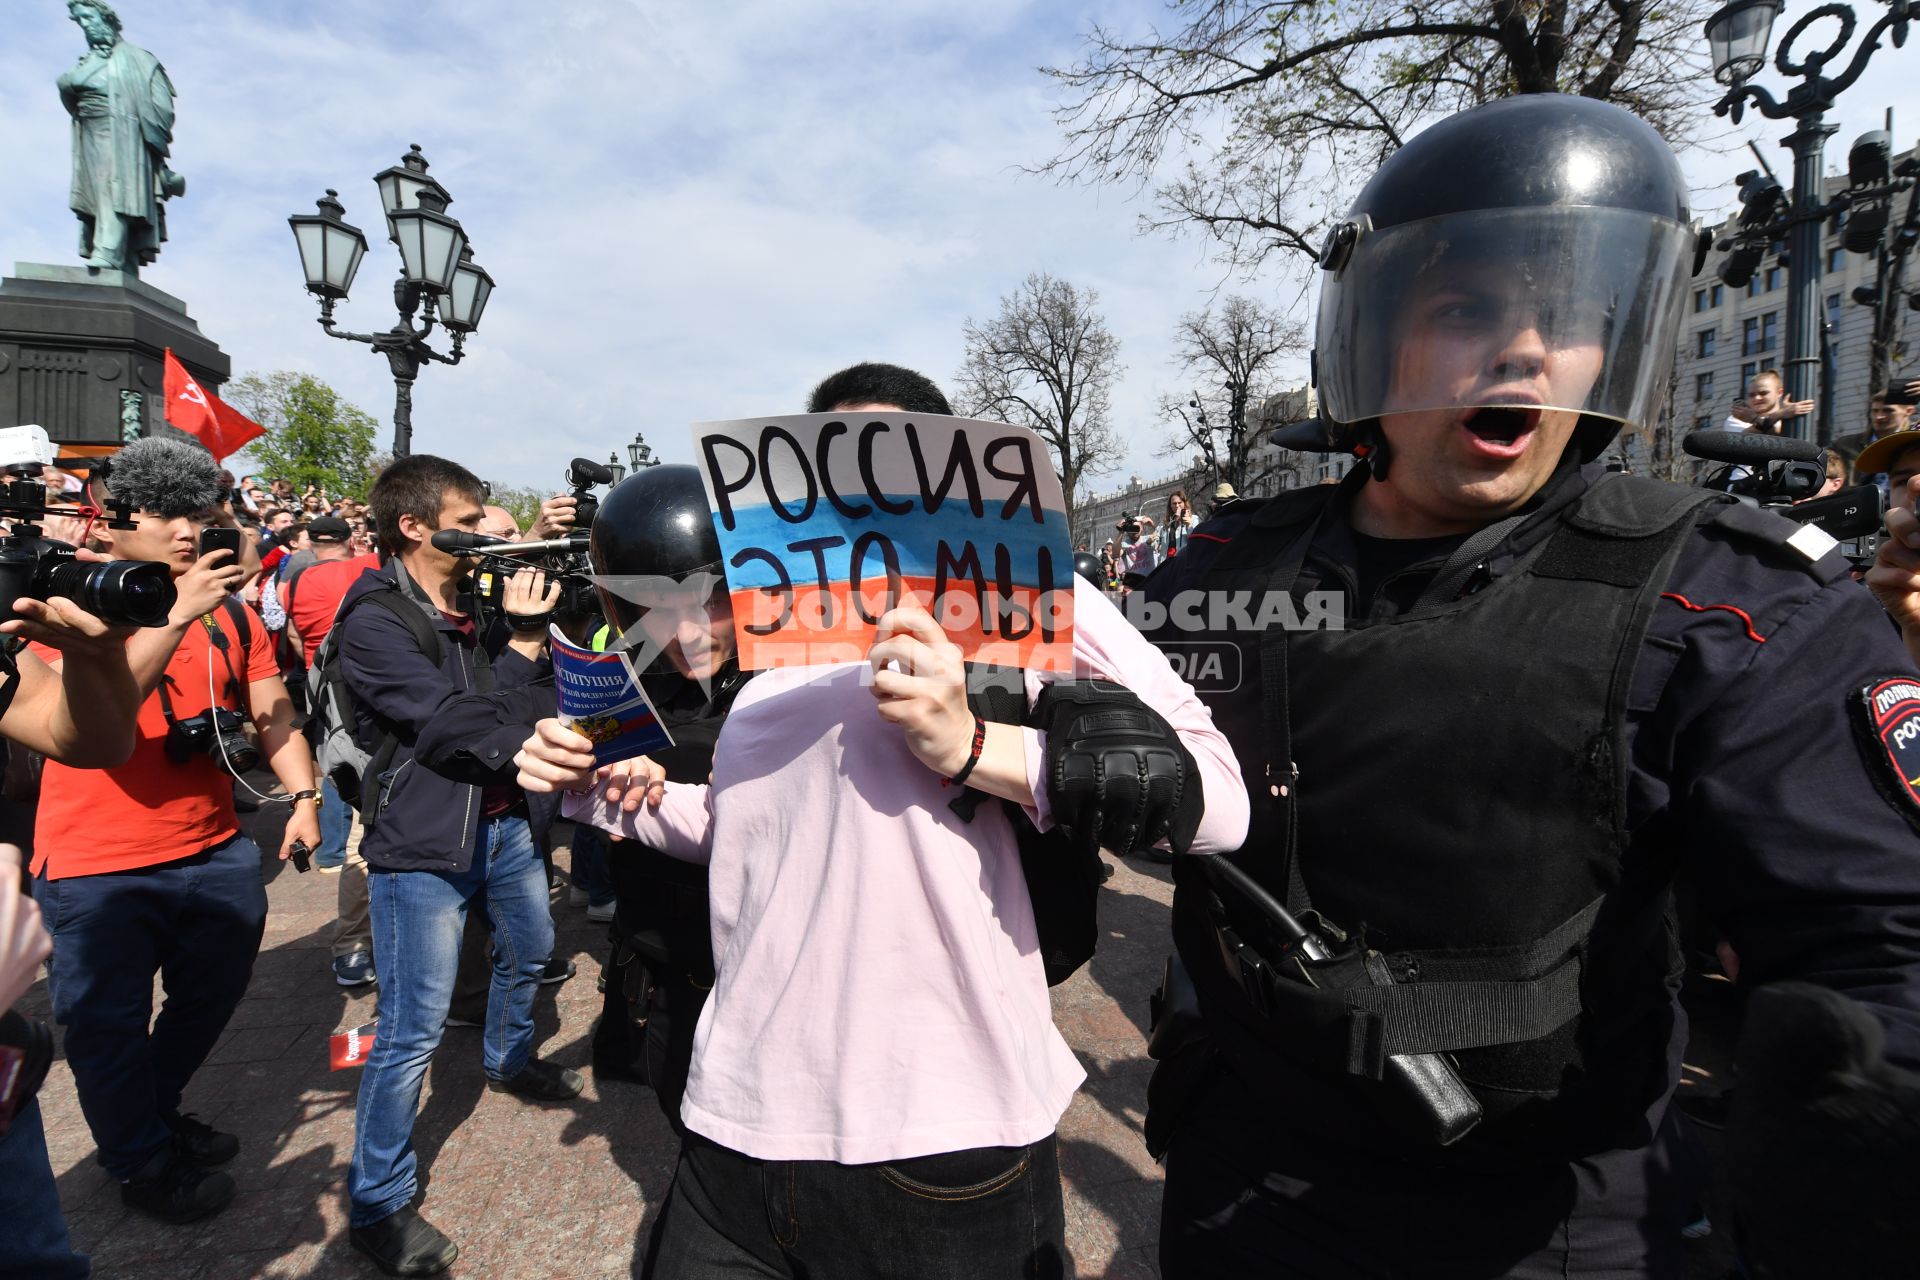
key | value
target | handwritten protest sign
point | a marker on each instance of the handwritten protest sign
(600, 699)
(828, 520)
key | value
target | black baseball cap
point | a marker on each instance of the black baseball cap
(328, 529)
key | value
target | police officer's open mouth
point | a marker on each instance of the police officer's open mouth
(1500, 425)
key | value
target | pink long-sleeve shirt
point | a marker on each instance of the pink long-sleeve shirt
(879, 992)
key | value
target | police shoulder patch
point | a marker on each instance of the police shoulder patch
(1886, 716)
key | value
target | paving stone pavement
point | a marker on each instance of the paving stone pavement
(534, 1192)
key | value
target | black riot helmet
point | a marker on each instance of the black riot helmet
(653, 528)
(1558, 217)
(1087, 565)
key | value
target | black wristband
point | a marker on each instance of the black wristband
(526, 624)
(973, 756)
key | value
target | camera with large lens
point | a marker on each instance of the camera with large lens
(123, 592)
(216, 732)
(134, 593)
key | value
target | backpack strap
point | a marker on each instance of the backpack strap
(394, 601)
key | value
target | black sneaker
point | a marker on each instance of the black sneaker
(542, 1081)
(405, 1244)
(355, 970)
(172, 1189)
(201, 1143)
(558, 969)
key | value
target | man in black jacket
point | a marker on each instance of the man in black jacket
(445, 823)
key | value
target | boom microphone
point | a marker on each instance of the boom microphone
(460, 542)
(588, 471)
(1749, 446)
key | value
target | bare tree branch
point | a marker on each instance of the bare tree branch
(1232, 358)
(1255, 121)
(1047, 362)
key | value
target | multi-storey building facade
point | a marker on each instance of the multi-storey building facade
(1727, 335)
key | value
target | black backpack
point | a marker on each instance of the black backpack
(344, 751)
(1062, 880)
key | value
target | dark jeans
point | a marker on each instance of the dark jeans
(197, 923)
(993, 1213)
(1246, 1196)
(589, 846)
(33, 1241)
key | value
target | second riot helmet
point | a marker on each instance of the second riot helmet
(654, 528)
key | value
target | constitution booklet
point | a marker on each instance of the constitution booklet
(600, 698)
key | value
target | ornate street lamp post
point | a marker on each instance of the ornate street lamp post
(1737, 36)
(640, 453)
(439, 280)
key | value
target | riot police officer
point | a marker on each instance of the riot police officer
(1436, 1027)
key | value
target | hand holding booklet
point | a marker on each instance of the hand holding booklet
(600, 698)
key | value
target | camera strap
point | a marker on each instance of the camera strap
(217, 639)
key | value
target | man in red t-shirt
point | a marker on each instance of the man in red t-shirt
(311, 596)
(142, 868)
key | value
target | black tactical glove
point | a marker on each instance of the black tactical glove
(1118, 777)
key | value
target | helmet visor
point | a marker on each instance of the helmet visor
(1570, 308)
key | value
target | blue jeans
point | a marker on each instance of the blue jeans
(590, 872)
(197, 923)
(34, 1243)
(418, 917)
(336, 824)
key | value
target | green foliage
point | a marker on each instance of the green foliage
(314, 437)
(523, 504)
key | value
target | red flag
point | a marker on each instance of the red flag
(236, 428)
(215, 424)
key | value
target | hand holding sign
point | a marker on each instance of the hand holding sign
(828, 521)
(919, 679)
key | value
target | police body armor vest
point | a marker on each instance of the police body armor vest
(1448, 787)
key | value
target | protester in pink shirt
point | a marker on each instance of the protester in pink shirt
(876, 1077)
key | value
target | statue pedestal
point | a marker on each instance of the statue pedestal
(82, 353)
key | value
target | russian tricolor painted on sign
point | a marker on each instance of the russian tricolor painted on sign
(827, 520)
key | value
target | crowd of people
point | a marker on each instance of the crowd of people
(1421, 1017)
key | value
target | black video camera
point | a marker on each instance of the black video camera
(1783, 473)
(562, 558)
(576, 588)
(582, 475)
(217, 732)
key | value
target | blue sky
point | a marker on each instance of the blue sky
(693, 211)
